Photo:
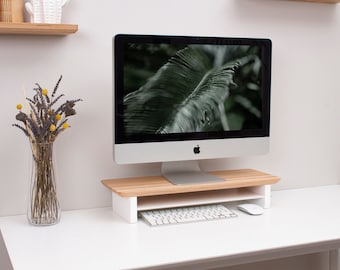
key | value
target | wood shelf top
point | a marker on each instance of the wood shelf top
(37, 29)
(158, 185)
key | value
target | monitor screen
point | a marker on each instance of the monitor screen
(188, 98)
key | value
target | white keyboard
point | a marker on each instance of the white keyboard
(186, 214)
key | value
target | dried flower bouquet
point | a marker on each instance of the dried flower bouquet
(43, 122)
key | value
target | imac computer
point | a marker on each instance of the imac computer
(181, 99)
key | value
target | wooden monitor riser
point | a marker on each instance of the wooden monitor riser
(130, 195)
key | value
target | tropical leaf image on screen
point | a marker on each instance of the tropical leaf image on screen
(192, 89)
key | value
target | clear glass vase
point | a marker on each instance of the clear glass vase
(43, 207)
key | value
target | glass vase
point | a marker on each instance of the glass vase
(43, 207)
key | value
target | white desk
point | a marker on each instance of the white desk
(299, 222)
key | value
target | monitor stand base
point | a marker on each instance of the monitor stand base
(187, 173)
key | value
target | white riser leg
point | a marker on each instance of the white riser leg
(125, 207)
(265, 191)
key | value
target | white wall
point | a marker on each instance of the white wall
(305, 93)
(305, 127)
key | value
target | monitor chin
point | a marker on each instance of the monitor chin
(181, 151)
(187, 173)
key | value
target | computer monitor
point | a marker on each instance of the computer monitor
(180, 99)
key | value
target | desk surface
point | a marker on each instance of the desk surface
(300, 221)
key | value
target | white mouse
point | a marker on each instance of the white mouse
(250, 208)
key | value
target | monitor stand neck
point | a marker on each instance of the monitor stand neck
(187, 173)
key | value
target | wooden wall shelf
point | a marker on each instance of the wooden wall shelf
(37, 29)
(130, 195)
(319, 1)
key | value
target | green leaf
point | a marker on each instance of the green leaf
(185, 95)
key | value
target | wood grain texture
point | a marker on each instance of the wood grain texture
(37, 29)
(158, 185)
(17, 11)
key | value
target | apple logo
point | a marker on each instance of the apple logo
(197, 149)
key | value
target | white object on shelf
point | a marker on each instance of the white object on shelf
(45, 11)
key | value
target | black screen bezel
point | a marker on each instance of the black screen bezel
(119, 42)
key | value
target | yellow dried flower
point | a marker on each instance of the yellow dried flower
(52, 128)
(44, 92)
(43, 122)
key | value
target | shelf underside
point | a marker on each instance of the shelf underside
(196, 198)
(37, 29)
